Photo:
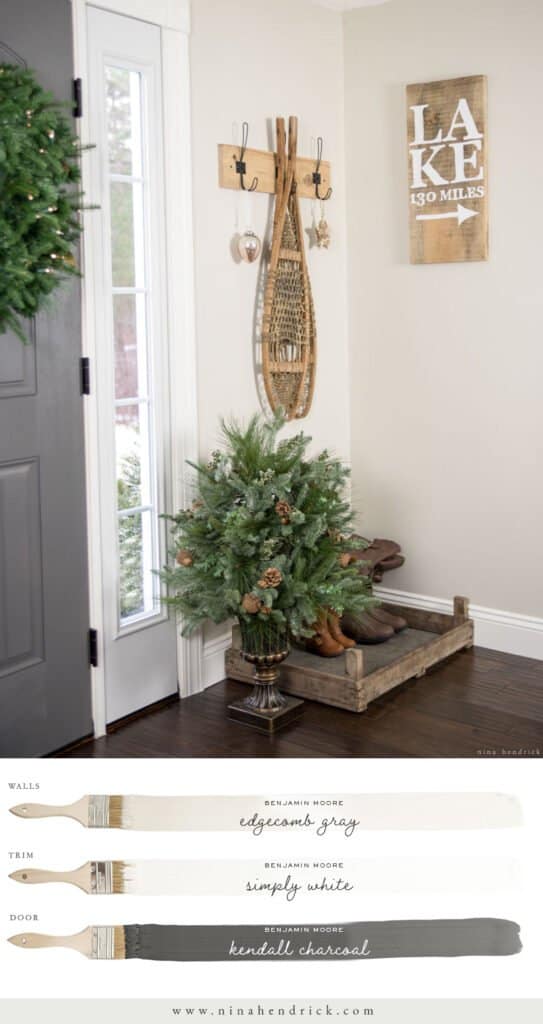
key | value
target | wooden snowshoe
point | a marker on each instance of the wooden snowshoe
(289, 337)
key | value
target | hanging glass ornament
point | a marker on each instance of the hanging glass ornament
(249, 246)
(248, 243)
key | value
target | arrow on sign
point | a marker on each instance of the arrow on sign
(461, 213)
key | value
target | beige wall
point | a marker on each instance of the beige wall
(436, 395)
(447, 361)
(254, 61)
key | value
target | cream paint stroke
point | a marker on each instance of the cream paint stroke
(328, 814)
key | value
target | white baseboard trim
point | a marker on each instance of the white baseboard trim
(497, 630)
(213, 659)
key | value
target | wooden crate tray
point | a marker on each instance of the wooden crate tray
(360, 675)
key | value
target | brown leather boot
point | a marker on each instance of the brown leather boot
(394, 562)
(334, 629)
(365, 630)
(396, 621)
(322, 642)
(375, 553)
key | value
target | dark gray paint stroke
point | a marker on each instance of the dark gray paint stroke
(385, 939)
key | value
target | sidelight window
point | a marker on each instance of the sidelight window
(131, 298)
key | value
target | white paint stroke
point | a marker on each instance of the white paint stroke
(328, 814)
(289, 884)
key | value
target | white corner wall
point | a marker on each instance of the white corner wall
(446, 361)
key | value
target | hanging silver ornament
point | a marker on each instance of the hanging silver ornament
(249, 246)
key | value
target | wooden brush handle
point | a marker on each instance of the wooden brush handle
(79, 811)
(34, 876)
(81, 942)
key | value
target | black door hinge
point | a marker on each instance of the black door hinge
(93, 648)
(85, 375)
(78, 98)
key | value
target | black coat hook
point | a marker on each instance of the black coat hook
(317, 176)
(241, 166)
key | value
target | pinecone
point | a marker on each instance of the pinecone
(283, 510)
(251, 604)
(184, 557)
(213, 461)
(345, 559)
(271, 578)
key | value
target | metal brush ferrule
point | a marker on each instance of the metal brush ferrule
(101, 877)
(98, 812)
(103, 942)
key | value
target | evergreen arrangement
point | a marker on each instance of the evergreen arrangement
(39, 203)
(266, 539)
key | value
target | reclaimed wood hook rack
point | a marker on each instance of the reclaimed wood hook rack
(261, 166)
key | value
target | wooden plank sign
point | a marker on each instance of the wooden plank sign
(446, 131)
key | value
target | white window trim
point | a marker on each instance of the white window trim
(168, 14)
(173, 18)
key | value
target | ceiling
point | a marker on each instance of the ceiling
(347, 5)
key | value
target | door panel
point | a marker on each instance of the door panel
(18, 364)
(21, 596)
(45, 700)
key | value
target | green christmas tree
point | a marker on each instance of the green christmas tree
(264, 538)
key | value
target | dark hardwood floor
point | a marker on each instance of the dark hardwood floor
(479, 703)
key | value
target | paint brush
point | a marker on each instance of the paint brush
(320, 815)
(331, 942)
(284, 880)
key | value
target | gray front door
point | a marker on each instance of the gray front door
(45, 700)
